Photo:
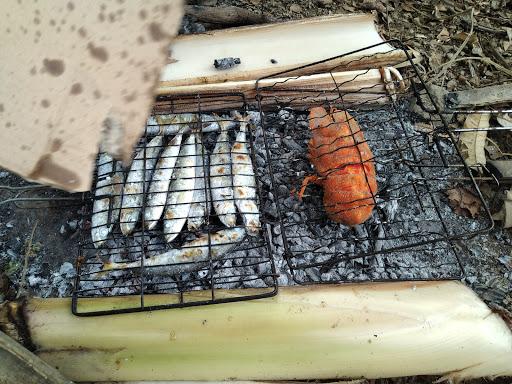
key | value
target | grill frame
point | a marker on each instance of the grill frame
(165, 106)
(419, 91)
(228, 101)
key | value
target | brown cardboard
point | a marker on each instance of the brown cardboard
(74, 74)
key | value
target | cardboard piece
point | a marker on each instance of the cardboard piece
(74, 74)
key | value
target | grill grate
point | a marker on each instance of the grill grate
(412, 232)
(248, 264)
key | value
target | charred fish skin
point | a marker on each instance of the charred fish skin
(200, 208)
(102, 197)
(136, 182)
(181, 190)
(159, 186)
(190, 256)
(221, 180)
(244, 181)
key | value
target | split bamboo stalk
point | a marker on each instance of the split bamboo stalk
(351, 87)
(318, 332)
(271, 48)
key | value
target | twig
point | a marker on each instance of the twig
(28, 252)
(22, 188)
(486, 60)
(445, 66)
(498, 147)
(17, 199)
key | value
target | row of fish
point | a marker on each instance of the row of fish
(179, 191)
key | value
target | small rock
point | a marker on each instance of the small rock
(296, 8)
(33, 280)
(73, 224)
(62, 229)
(451, 85)
(278, 241)
(67, 269)
(282, 190)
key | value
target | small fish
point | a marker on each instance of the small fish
(159, 185)
(137, 183)
(200, 207)
(244, 182)
(107, 201)
(181, 190)
(194, 251)
(221, 180)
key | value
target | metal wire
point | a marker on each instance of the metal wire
(248, 264)
(412, 242)
(412, 232)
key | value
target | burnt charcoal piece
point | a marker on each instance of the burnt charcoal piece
(226, 62)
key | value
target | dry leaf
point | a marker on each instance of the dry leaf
(461, 36)
(444, 35)
(493, 151)
(472, 143)
(504, 119)
(507, 44)
(463, 202)
(408, 7)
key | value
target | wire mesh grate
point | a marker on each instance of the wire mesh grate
(394, 137)
(198, 257)
(412, 231)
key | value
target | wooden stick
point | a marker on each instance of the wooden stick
(364, 86)
(490, 96)
(225, 16)
(19, 365)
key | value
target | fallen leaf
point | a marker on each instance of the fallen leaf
(507, 44)
(461, 36)
(504, 119)
(295, 8)
(408, 7)
(472, 143)
(493, 151)
(444, 35)
(464, 202)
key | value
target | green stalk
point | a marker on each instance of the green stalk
(320, 332)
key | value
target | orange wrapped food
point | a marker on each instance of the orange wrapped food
(344, 165)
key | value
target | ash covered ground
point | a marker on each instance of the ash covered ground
(318, 249)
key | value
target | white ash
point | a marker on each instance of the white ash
(328, 251)
(321, 250)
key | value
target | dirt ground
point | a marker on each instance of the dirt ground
(38, 240)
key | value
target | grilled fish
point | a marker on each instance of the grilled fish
(200, 207)
(107, 201)
(244, 182)
(181, 190)
(221, 180)
(194, 251)
(159, 185)
(137, 182)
